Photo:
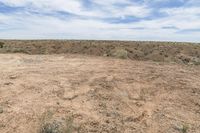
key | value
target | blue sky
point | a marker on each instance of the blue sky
(158, 20)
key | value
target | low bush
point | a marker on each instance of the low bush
(1, 44)
(49, 124)
(120, 53)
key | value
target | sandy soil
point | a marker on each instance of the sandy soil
(100, 94)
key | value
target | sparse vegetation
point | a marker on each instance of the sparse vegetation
(121, 53)
(1, 110)
(1, 44)
(184, 128)
(182, 53)
(69, 125)
(19, 50)
(53, 125)
(197, 63)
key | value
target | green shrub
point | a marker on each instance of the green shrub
(184, 129)
(120, 53)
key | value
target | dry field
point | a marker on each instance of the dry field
(83, 93)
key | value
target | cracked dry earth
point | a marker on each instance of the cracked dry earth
(102, 95)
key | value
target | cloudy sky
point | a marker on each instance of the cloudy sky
(159, 20)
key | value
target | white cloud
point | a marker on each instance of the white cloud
(76, 7)
(183, 17)
(182, 10)
(91, 25)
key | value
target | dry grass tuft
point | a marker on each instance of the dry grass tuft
(52, 125)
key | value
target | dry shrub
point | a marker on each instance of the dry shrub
(1, 44)
(53, 125)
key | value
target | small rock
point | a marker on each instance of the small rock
(13, 77)
(70, 97)
(105, 55)
(129, 119)
(8, 83)
(139, 104)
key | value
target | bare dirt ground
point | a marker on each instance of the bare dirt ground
(97, 94)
